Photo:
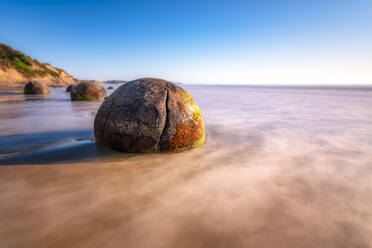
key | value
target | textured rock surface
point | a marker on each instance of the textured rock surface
(87, 91)
(34, 87)
(149, 115)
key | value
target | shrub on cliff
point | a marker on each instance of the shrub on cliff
(22, 67)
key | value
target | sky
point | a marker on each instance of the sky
(272, 42)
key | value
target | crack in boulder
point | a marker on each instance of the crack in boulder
(166, 118)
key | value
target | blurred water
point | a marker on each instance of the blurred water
(281, 167)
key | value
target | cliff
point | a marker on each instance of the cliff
(17, 68)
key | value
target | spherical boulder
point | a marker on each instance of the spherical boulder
(68, 89)
(87, 91)
(149, 115)
(34, 87)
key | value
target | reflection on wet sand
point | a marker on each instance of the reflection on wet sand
(280, 168)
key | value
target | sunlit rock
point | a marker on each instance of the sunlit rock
(34, 87)
(149, 115)
(88, 91)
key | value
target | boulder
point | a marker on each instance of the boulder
(68, 89)
(34, 87)
(87, 91)
(110, 88)
(149, 115)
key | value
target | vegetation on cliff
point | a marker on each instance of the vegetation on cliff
(11, 59)
(22, 63)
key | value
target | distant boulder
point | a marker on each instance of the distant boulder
(110, 88)
(115, 82)
(68, 89)
(149, 115)
(34, 87)
(88, 91)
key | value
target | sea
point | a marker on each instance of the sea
(282, 166)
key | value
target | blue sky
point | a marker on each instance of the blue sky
(218, 42)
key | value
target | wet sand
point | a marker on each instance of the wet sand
(280, 168)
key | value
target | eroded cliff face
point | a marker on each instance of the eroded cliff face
(12, 77)
(17, 69)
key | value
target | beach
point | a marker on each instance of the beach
(281, 167)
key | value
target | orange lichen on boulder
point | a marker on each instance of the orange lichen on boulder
(188, 135)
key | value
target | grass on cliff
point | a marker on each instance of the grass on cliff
(22, 63)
